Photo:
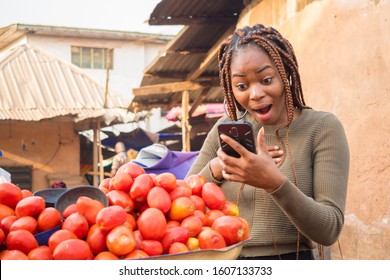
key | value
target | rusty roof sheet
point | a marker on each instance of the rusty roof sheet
(36, 85)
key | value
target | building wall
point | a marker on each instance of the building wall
(51, 148)
(343, 54)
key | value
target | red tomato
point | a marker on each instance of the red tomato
(231, 228)
(122, 199)
(152, 247)
(72, 249)
(104, 184)
(120, 241)
(174, 234)
(30, 206)
(159, 198)
(212, 215)
(96, 239)
(246, 227)
(21, 240)
(7, 222)
(106, 255)
(26, 193)
(211, 239)
(166, 181)
(131, 223)
(89, 208)
(202, 216)
(177, 247)
(2, 236)
(172, 223)
(179, 192)
(121, 182)
(59, 236)
(10, 194)
(13, 255)
(181, 208)
(26, 222)
(136, 254)
(110, 217)
(131, 168)
(141, 187)
(70, 209)
(213, 196)
(152, 224)
(196, 182)
(199, 203)
(41, 253)
(49, 218)
(193, 224)
(138, 239)
(230, 209)
(76, 223)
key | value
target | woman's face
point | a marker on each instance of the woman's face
(257, 86)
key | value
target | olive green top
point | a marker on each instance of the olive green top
(320, 153)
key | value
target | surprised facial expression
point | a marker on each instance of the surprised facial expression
(257, 86)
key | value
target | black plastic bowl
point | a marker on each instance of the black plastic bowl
(71, 196)
(50, 195)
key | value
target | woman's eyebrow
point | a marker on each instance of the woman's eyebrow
(257, 71)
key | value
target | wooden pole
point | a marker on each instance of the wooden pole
(95, 156)
(101, 167)
(108, 65)
(185, 126)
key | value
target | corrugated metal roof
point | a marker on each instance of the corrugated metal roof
(206, 22)
(36, 85)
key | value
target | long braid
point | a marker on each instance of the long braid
(282, 54)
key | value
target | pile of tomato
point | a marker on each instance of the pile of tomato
(148, 215)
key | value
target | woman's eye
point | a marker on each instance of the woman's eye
(267, 81)
(241, 86)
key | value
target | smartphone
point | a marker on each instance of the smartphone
(240, 131)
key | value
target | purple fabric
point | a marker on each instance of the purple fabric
(177, 163)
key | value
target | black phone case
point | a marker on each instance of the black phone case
(241, 132)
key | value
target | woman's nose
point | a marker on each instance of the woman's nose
(256, 92)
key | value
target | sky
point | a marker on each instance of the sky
(120, 15)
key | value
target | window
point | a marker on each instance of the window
(92, 58)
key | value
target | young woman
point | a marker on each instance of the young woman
(292, 195)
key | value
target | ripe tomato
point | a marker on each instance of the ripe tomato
(136, 254)
(181, 208)
(26, 222)
(159, 198)
(59, 236)
(70, 209)
(172, 223)
(152, 224)
(166, 181)
(120, 241)
(41, 253)
(231, 228)
(49, 218)
(192, 243)
(6, 211)
(30, 206)
(2, 236)
(230, 209)
(213, 196)
(211, 239)
(179, 192)
(131, 168)
(110, 217)
(177, 247)
(193, 224)
(201, 215)
(76, 223)
(89, 208)
(96, 239)
(26, 193)
(104, 184)
(152, 247)
(122, 199)
(141, 187)
(13, 255)
(174, 234)
(21, 240)
(212, 215)
(138, 239)
(199, 203)
(246, 227)
(72, 249)
(7, 222)
(121, 182)
(196, 182)
(106, 255)
(10, 194)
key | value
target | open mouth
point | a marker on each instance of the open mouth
(263, 110)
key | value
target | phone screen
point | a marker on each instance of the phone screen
(241, 132)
